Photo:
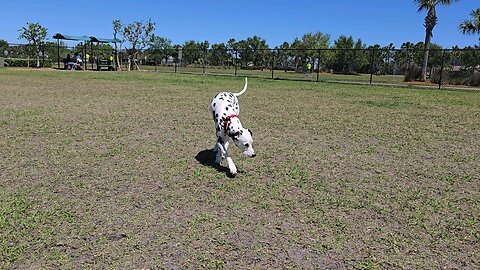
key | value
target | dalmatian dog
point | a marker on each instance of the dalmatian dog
(225, 110)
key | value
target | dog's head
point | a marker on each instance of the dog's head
(244, 141)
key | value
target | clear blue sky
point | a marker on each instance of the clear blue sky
(375, 21)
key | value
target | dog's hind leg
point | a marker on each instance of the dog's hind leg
(220, 153)
(215, 147)
(225, 146)
(221, 148)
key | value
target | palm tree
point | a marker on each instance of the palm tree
(430, 22)
(471, 27)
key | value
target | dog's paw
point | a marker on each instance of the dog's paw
(218, 160)
(233, 170)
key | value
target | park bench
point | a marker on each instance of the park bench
(104, 64)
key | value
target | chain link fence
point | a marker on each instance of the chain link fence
(453, 68)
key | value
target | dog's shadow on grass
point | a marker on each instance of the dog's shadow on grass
(207, 158)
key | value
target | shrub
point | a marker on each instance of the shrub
(17, 62)
(413, 74)
(461, 77)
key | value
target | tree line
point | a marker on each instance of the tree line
(348, 55)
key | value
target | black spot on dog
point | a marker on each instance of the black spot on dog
(219, 140)
(224, 114)
(233, 135)
(226, 108)
(214, 104)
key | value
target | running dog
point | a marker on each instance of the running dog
(225, 110)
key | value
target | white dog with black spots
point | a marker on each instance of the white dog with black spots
(225, 111)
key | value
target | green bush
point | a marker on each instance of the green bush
(17, 62)
(413, 74)
(461, 77)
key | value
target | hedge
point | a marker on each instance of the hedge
(461, 77)
(17, 62)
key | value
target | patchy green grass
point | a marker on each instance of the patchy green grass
(114, 170)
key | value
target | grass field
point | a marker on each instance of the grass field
(108, 170)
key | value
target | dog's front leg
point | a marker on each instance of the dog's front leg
(223, 153)
(231, 165)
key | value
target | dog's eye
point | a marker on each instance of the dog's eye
(247, 145)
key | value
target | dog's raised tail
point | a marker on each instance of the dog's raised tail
(243, 90)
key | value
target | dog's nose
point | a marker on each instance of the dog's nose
(254, 155)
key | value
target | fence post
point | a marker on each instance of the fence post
(91, 51)
(43, 55)
(441, 70)
(84, 55)
(178, 59)
(273, 61)
(372, 61)
(236, 62)
(204, 60)
(318, 64)
(58, 53)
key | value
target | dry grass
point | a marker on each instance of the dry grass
(114, 170)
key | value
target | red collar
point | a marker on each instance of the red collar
(226, 120)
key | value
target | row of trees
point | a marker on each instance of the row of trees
(346, 56)
(431, 19)
(139, 38)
